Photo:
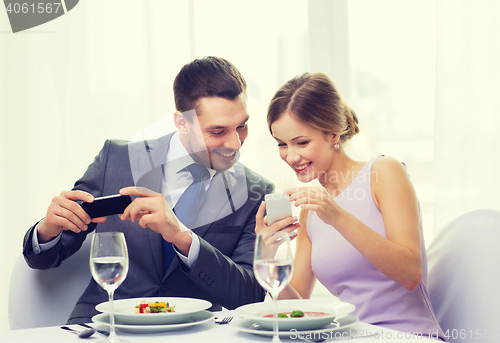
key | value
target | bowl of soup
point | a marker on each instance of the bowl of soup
(296, 314)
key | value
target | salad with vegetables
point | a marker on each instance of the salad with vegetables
(154, 307)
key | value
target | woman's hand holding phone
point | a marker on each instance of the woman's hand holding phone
(279, 215)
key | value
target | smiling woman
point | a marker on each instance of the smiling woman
(377, 236)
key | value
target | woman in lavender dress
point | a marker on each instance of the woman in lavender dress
(360, 232)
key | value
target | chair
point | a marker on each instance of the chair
(464, 277)
(39, 298)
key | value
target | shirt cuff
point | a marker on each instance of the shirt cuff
(39, 248)
(194, 251)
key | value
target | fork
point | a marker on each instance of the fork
(224, 320)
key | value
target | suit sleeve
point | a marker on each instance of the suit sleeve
(70, 242)
(229, 280)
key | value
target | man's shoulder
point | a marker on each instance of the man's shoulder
(147, 144)
(118, 143)
(254, 178)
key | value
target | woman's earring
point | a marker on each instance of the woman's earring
(336, 146)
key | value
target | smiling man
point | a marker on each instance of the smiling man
(190, 227)
(223, 127)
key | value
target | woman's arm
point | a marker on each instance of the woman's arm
(398, 256)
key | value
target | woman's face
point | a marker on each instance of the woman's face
(307, 150)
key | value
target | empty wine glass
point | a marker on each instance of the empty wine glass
(273, 266)
(109, 267)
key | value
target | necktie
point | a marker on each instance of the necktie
(187, 207)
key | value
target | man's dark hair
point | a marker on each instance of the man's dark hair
(207, 77)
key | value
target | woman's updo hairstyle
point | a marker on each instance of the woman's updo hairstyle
(314, 100)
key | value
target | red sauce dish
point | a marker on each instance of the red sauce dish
(306, 314)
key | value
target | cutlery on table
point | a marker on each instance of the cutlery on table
(224, 320)
(104, 333)
(82, 334)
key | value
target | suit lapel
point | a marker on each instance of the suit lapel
(215, 206)
(152, 180)
(146, 160)
(227, 193)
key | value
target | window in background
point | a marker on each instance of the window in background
(392, 47)
(392, 58)
(267, 42)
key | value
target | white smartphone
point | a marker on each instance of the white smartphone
(278, 206)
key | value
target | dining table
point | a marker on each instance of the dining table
(211, 331)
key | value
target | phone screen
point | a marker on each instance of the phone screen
(107, 205)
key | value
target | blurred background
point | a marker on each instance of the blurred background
(422, 75)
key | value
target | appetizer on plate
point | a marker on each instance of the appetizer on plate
(154, 307)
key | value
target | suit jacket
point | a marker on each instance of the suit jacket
(223, 273)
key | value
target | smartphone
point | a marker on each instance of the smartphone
(278, 206)
(107, 205)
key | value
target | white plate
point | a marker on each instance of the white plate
(184, 307)
(194, 319)
(257, 311)
(329, 331)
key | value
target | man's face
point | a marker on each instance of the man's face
(215, 137)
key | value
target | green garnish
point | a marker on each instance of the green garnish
(297, 313)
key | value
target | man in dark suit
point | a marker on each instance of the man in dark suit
(213, 256)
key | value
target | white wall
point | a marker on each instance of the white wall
(67, 86)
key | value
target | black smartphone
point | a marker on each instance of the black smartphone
(107, 205)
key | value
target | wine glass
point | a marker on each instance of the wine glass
(273, 267)
(109, 267)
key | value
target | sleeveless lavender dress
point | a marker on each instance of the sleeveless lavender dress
(349, 276)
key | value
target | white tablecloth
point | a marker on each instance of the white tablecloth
(206, 333)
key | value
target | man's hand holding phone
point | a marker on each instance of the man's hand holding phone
(64, 213)
(151, 210)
